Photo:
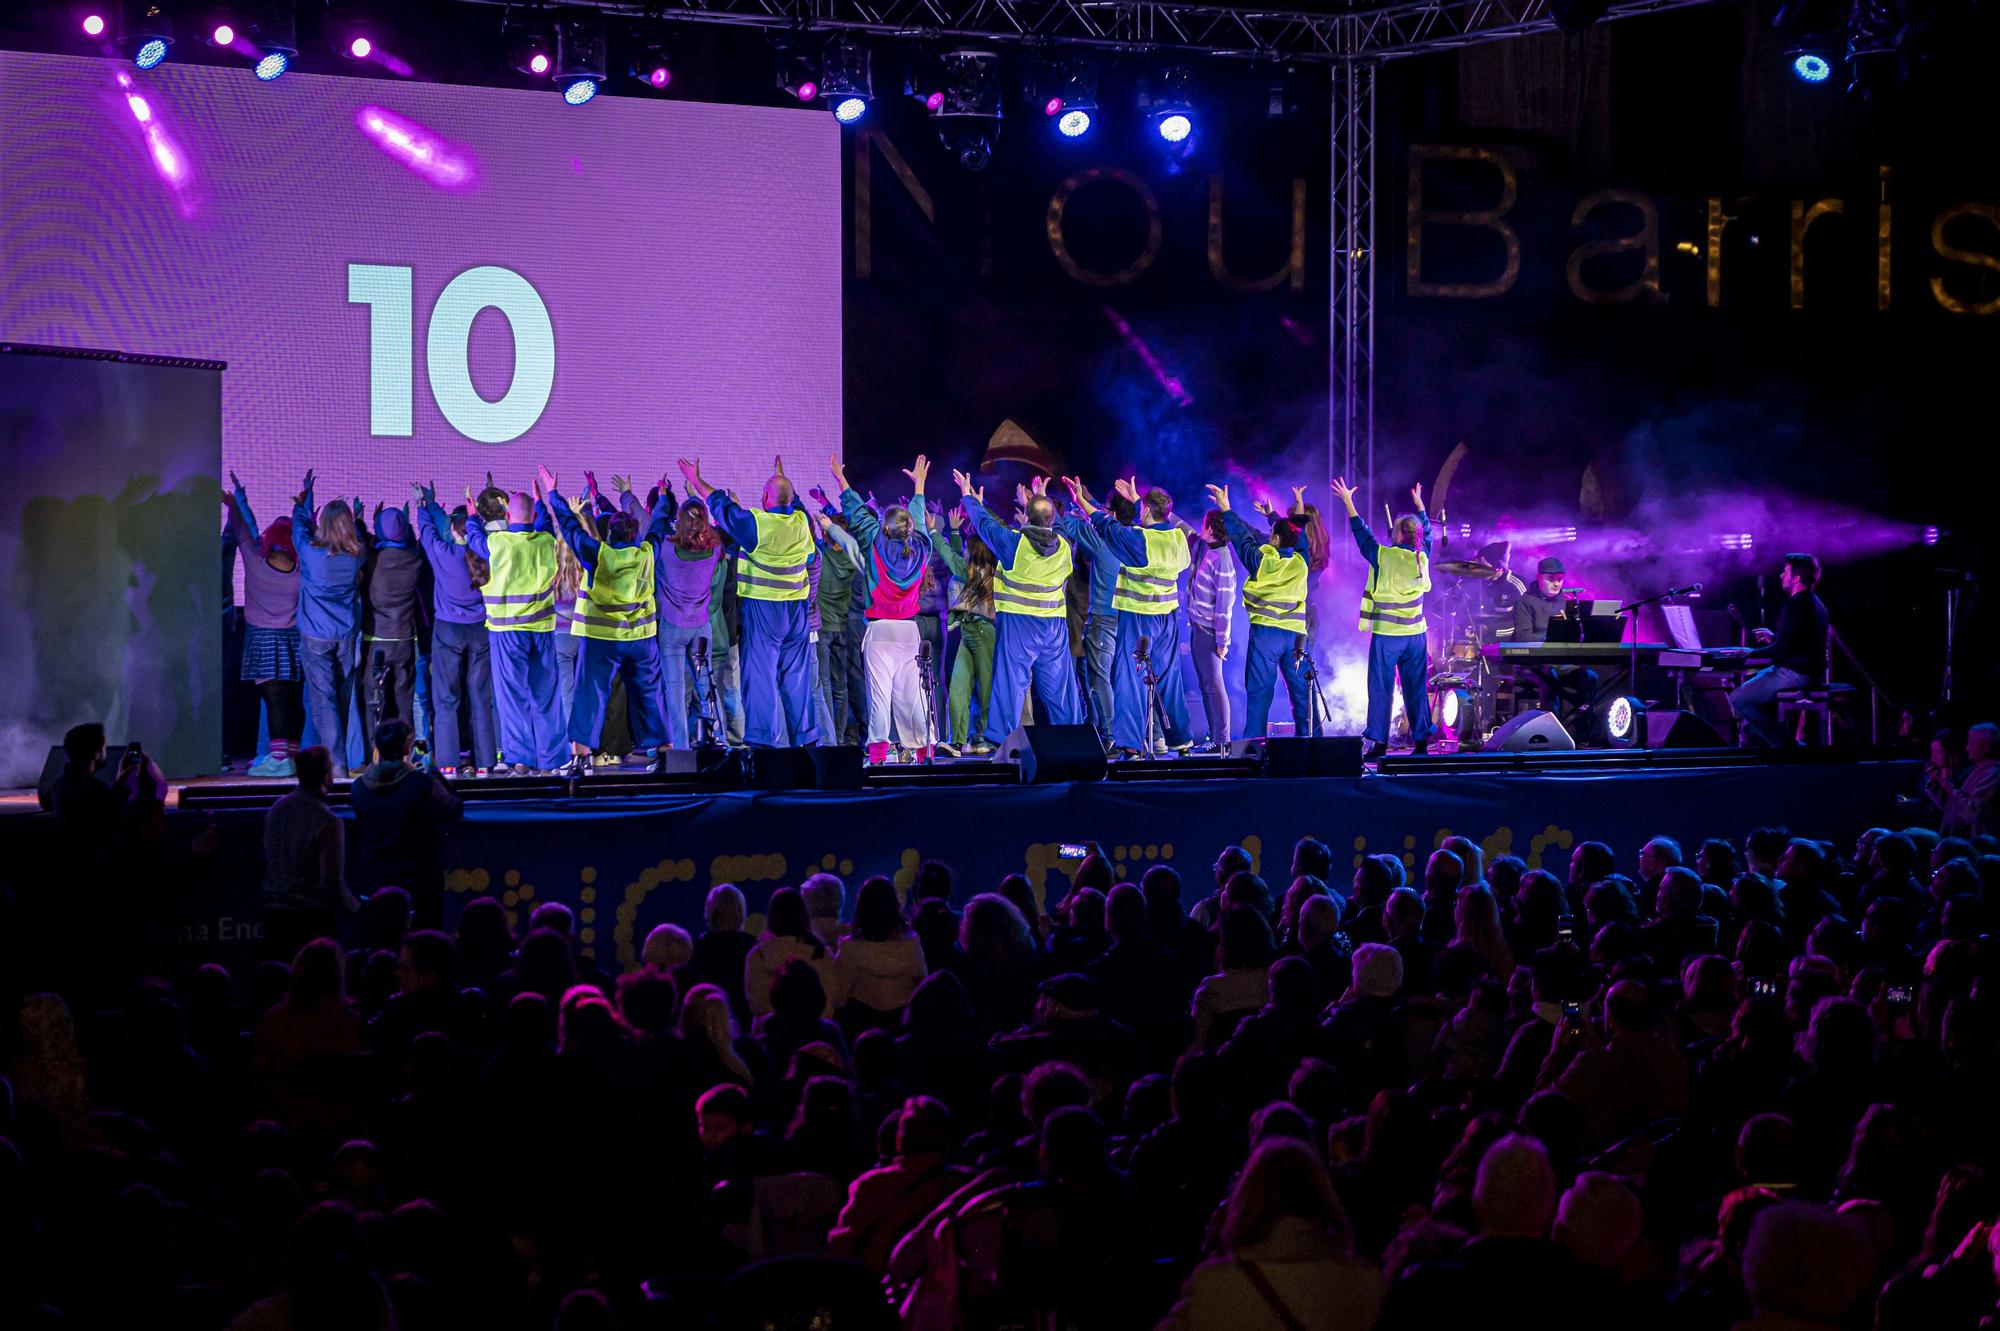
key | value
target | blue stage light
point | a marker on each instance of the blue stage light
(150, 53)
(850, 109)
(578, 91)
(1073, 124)
(1812, 68)
(1176, 127)
(273, 65)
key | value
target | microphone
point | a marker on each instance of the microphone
(1692, 589)
(701, 652)
(1145, 651)
(923, 653)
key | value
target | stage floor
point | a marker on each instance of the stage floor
(628, 861)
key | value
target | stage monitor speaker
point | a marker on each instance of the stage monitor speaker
(1681, 730)
(1278, 755)
(779, 769)
(1048, 754)
(836, 766)
(1531, 732)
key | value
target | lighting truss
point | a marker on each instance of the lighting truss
(1377, 31)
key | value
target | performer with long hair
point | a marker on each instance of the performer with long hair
(271, 653)
(330, 555)
(896, 548)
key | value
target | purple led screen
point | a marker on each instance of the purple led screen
(416, 282)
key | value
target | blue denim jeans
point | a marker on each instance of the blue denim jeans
(332, 666)
(1755, 702)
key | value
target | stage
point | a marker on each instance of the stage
(627, 857)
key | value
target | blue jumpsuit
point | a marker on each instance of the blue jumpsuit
(1024, 646)
(777, 645)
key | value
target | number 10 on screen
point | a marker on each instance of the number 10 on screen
(386, 290)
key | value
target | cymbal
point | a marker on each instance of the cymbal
(1465, 568)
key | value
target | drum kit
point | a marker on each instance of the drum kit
(1464, 616)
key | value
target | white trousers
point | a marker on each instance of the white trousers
(889, 660)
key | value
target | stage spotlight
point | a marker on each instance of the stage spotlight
(651, 67)
(531, 51)
(1624, 722)
(223, 35)
(148, 34)
(795, 69)
(1812, 67)
(579, 67)
(1165, 100)
(93, 25)
(360, 48)
(967, 108)
(273, 32)
(151, 52)
(847, 79)
(1066, 88)
(1930, 536)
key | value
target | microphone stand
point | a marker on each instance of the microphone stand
(704, 691)
(1142, 656)
(1632, 622)
(929, 684)
(1322, 711)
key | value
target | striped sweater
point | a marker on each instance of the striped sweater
(1212, 591)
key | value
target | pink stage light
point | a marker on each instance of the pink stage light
(224, 35)
(360, 48)
(539, 64)
(659, 76)
(1052, 106)
(435, 159)
(934, 101)
(93, 25)
(808, 90)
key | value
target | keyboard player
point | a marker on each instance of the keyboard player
(1562, 688)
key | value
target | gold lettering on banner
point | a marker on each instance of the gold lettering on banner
(1882, 238)
(1803, 216)
(1057, 246)
(1295, 263)
(1489, 218)
(1718, 222)
(864, 194)
(1647, 239)
(1971, 258)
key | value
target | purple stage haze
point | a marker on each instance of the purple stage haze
(627, 282)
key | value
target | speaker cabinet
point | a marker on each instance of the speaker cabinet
(1329, 755)
(1681, 730)
(1531, 732)
(1048, 754)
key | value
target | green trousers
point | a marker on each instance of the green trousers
(971, 671)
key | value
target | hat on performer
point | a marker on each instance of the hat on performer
(1550, 565)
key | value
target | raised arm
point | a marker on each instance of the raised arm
(1364, 540)
(997, 534)
(1248, 545)
(567, 522)
(249, 536)
(302, 513)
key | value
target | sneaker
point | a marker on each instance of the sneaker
(482, 772)
(1183, 750)
(577, 766)
(950, 750)
(273, 765)
(1159, 746)
(1376, 753)
(979, 748)
(448, 773)
(521, 769)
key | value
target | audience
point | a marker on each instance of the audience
(1743, 1091)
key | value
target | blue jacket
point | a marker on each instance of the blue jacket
(1103, 563)
(456, 600)
(739, 524)
(905, 569)
(586, 546)
(329, 584)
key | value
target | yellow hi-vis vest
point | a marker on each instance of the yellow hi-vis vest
(1156, 588)
(1275, 595)
(520, 590)
(618, 605)
(1033, 584)
(777, 569)
(1392, 603)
